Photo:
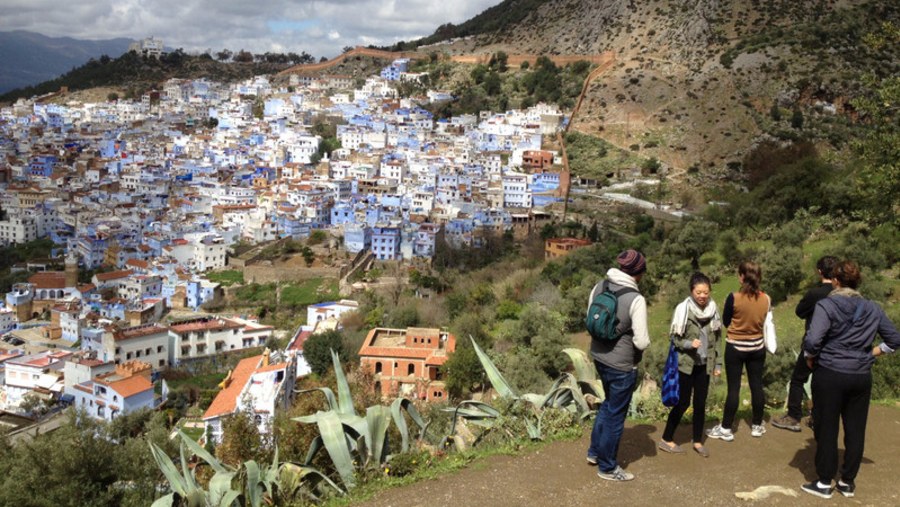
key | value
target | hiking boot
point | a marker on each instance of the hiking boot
(757, 430)
(721, 433)
(592, 460)
(786, 422)
(813, 488)
(846, 489)
(617, 474)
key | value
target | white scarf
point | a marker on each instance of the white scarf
(680, 317)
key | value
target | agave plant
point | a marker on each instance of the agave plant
(567, 393)
(260, 484)
(345, 434)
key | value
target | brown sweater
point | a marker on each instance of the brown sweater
(747, 316)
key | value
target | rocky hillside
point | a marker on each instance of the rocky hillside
(697, 83)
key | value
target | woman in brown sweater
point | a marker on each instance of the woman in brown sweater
(743, 315)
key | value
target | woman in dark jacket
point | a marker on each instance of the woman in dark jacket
(839, 350)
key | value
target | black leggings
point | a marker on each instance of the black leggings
(734, 364)
(840, 397)
(698, 382)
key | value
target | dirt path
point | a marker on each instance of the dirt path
(557, 474)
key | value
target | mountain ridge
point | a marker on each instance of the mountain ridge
(697, 85)
(29, 58)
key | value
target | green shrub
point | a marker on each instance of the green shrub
(782, 272)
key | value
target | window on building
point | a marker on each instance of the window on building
(128, 355)
(159, 349)
(411, 369)
(378, 367)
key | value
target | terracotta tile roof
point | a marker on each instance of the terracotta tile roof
(48, 280)
(301, 339)
(271, 367)
(137, 263)
(138, 331)
(113, 275)
(86, 287)
(226, 401)
(130, 386)
(205, 325)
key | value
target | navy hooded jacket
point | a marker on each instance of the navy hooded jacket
(842, 332)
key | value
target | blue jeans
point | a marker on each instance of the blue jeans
(618, 386)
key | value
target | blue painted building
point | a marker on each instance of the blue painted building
(357, 238)
(386, 242)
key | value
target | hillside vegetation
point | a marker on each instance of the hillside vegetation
(138, 74)
(698, 84)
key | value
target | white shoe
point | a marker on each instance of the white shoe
(757, 430)
(721, 433)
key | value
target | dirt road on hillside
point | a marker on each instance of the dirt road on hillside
(558, 476)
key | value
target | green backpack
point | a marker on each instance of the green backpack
(602, 317)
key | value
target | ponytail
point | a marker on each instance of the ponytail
(752, 276)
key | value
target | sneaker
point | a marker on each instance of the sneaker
(592, 460)
(813, 488)
(786, 422)
(845, 489)
(721, 433)
(616, 474)
(757, 430)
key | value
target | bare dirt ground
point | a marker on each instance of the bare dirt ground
(557, 474)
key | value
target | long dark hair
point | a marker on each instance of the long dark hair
(752, 276)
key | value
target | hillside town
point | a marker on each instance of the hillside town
(149, 196)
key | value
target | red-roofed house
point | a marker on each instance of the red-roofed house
(24, 374)
(111, 394)
(254, 386)
(111, 279)
(149, 342)
(206, 336)
(407, 362)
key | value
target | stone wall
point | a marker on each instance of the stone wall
(271, 274)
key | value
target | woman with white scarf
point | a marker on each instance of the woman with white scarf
(695, 332)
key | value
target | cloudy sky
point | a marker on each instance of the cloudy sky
(319, 27)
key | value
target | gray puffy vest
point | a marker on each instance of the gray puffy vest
(619, 354)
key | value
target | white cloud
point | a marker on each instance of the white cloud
(321, 28)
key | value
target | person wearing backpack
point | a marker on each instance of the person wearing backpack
(743, 315)
(616, 356)
(840, 351)
(695, 332)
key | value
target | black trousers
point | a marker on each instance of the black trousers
(795, 391)
(840, 397)
(698, 383)
(735, 361)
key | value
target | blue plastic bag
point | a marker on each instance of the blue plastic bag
(670, 387)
